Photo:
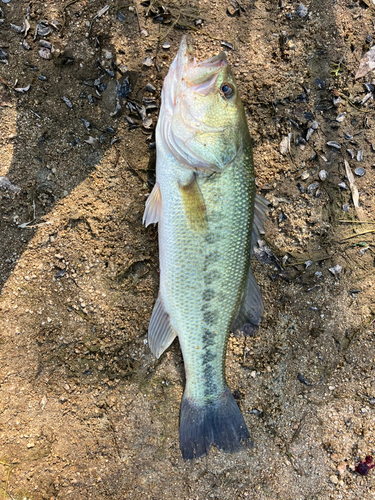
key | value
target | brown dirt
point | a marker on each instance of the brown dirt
(85, 409)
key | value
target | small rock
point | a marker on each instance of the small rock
(302, 10)
(360, 155)
(345, 207)
(31, 444)
(309, 134)
(323, 175)
(320, 84)
(44, 53)
(67, 102)
(341, 468)
(334, 479)
(43, 402)
(166, 45)
(147, 123)
(335, 271)
(312, 187)
(285, 144)
(341, 117)
(147, 61)
(305, 175)
(150, 88)
(360, 171)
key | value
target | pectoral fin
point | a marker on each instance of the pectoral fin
(194, 206)
(152, 213)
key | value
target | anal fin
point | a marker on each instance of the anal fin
(260, 215)
(152, 213)
(160, 331)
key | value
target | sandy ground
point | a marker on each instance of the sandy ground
(85, 409)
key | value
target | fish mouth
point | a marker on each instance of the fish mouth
(185, 72)
(193, 72)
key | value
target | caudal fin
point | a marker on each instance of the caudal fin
(219, 423)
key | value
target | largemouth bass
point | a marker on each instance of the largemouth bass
(208, 214)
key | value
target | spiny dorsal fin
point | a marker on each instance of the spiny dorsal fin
(160, 331)
(194, 206)
(152, 213)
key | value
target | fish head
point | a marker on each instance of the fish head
(202, 122)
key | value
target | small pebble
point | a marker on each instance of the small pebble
(321, 84)
(311, 188)
(309, 134)
(341, 468)
(150, 88)
(334, 479)
(360, 155)
(305, 175)
(323, 175)
(366, 98)
(360, 171)
(302, 10)
(315, 125)
(147, 61)
(335, 271)
(120, 16)
(166, 45)
(345, 207)
(44, 53)
(341, 117)
(67, 102)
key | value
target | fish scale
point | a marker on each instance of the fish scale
(204, 203)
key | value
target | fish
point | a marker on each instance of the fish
(209, 217)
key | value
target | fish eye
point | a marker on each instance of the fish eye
(227, 90)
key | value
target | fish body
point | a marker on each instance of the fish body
(204, 201)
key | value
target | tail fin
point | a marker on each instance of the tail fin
(220, 423)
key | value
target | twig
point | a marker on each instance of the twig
(353, 105)
(171, 28)
(358, 234)
(136, 12)
(343, 221)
